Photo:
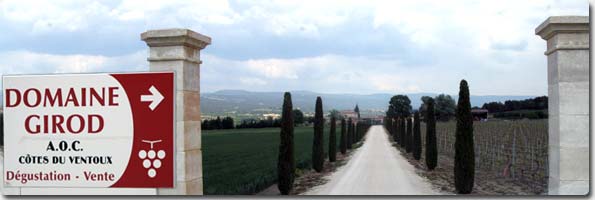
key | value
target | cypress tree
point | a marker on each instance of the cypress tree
(317, 146)
(356, 132)
(388, 126)
(391, 126)
(409, 135)
(358, 128)
(332, 143)
(343, 139)
(353, 136)
(464, 153)
(349, 130)
(396, 130)
(403, 131)
(416, 137)
(431, 146)
(286, 161)
(361, 131)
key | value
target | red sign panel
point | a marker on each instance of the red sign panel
(89, 130)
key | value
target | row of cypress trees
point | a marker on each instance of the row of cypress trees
(464, 163)
(406, 133)
(351, 133)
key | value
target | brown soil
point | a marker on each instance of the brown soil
(486, 183)
(309, 178)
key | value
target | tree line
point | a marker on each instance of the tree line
(537, 103)
(228, 122)
(533, 108)
(352, 131)
(444, 107)
(404, 129)
(217, 123)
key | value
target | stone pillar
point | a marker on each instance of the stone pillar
(568, 91)
(178, 50)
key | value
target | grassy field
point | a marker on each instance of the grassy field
(244, 161)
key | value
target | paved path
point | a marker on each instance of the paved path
(376, 168)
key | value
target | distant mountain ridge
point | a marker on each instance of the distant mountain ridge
(242, 101)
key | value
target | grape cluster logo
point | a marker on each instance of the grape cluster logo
(151, 158)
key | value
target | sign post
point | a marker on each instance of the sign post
(89, 130)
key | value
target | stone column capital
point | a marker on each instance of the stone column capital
(175, 45)
(565, 33)
(175, 37)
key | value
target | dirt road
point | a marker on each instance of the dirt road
(376, 168)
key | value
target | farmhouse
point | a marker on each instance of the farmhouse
(349, 114)
(479, 114)
(271, 116)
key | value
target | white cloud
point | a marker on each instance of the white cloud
(486, 42)
(26, 62)
(393, 83)
(425, 22)
(247, 81)
(520, 74)
(273, 68)
(201, 11)
(344, 74)
(45, 16)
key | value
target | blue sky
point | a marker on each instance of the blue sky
(338, 46)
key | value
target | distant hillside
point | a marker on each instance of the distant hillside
(241, 101)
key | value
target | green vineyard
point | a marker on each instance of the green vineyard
(244, 161)
(514, 149)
